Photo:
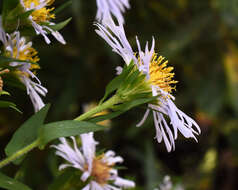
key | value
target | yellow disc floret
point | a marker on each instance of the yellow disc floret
(28, 54)
(40, 14)
(100, 170)
(161, 75)
(23, 52)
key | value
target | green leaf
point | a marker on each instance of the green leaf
(11, 79)
(28, 30)
(11, 184)
(4, 93)
(5, 60)
(11, 12)
(130, 78)
(62, 7)
(27, 133)
(8, 5)
(60, 25)
(51, 131)
(112, 86)
(26, 14)
(7, 104)
(117, 81)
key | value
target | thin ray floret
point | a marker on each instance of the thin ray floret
(160, 77)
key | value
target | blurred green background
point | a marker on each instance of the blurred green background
(200, 40)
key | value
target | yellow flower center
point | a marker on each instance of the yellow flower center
(26, 54)
(40, 15)
(100, 170)
(161, 75)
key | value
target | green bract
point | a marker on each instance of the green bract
(130, 85)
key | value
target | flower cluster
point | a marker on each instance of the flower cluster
(23, 58)
(16, 47)
(40, 18)
(146, 78)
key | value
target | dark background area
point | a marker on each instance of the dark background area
(199, 38)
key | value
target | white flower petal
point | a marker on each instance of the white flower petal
(89, 148)
(85, 176)
(83, 160)
(73, 156)
(115, 36)
(96, 186)
(107, 8)
(124, 183)
(43, 29)
(14, 41)
(144, 118)
(87, 187)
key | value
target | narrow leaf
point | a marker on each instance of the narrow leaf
(27, 133)
(26, 14)
(11, 184)
(11, 79)
(117, 81)
(66, 128)
(7, 104)
(5, 60)
(4, 93)
(60, 25)
(8, 5)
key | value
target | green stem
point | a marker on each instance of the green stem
(108, 104)
(19, 153)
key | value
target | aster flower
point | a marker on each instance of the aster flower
(160, 77)
(40, 18)
(99, 169)
(16, 47)
(107, 8)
